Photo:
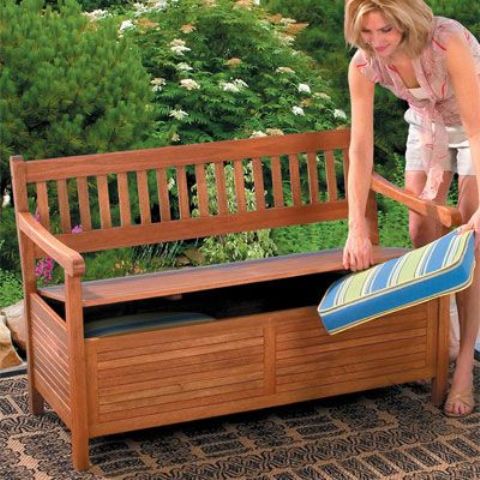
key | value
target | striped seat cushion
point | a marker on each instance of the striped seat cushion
(140, 322)
(441, 267)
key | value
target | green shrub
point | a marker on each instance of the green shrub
(217, 74)
(69, 86)
(10, 288)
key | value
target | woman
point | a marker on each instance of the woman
(434, 64)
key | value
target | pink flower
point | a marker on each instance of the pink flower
(77, 229)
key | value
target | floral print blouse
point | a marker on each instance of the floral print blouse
(440, 108)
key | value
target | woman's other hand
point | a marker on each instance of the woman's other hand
(357, 253)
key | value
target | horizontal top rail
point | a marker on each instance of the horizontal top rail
(182, 155)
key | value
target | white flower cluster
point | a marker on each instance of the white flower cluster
(189, 84)
(95, 15)
(285, 70)
(158, 84)
(304, 88)
(178, 46)
(235, 86)
(178, 114)
(258, 134)
(183, 67)
(298, 111)
(126, 25)
(339, 114)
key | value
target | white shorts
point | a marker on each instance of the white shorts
(459, 158)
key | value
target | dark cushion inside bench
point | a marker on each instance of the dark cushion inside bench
(138, 322)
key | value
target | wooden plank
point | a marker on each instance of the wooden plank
(222, 196)
(197, 227)
(331, 176)
(312, 177)
(143, 196)
(84, 203)
(349, 357)
(64, 206)
(113, 348)
(181, 385)
(346, 165)
(124, 199)
(295, 180)
(149, 371)
(240, 186)
(277, 183)
(77, 373)
(103, 292)
(292, 353)
(181, 398)
(183, 198)
(43, 210)
(104, 202)
(116, 362)
(163, 197)
(174, 156)
(258, 184)
(202, 190)
(187, 377)
(56, 402)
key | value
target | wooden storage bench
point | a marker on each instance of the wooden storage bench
(264, 345)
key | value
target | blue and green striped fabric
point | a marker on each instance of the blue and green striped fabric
(441, 267)
(140, 322)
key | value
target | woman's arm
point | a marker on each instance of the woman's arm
(466, 83)
(357, 254)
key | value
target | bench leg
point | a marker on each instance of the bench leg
(36, 401)
(80, 452)
(440, 381)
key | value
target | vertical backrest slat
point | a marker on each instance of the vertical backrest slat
(221, 188)
(143, 196)
(240, 195)
(346, 165)
(331, 176)
(104, 201)
(295, 179)
(277, 183)
(163, 198)
(312, 177)
(258, 183)
(124, 199)
(202, 191)
(84, 203)
(42, 204)
(183, 199)
(64, 206)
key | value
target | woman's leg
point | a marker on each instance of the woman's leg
(422, 229)
(468, 307)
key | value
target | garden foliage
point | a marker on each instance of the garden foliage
(68, 87)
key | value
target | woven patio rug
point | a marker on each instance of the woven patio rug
(387, 433)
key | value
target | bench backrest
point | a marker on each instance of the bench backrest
(146, 196)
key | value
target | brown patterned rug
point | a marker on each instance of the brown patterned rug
(387, 433)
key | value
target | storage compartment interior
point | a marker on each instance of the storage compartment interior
(215, 304)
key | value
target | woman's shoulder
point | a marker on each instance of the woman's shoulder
(444, 28)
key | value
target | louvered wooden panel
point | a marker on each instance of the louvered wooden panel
(50, 356)
(308, 357)
(174, 369)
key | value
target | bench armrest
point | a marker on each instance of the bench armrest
(71, 261)
(447, 216)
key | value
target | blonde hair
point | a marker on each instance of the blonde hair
(413, 18)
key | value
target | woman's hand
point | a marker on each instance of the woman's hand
(357, 253)
(473, 224)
